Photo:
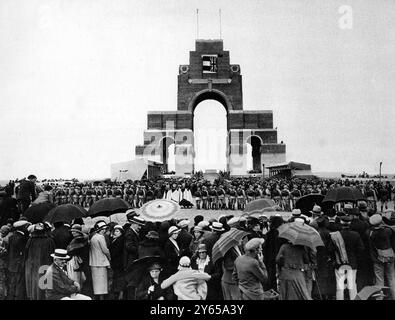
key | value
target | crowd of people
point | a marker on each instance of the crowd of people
(226, 194)
(71, 261)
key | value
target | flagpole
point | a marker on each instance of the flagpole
(220, 25)
(197, 23)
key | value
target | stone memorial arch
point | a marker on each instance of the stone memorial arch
(210, 76)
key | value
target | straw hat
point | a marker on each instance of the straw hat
(217, 226)
(60, 254)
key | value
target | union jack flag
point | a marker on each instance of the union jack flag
(210, 64)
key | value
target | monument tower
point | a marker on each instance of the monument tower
(210, 76)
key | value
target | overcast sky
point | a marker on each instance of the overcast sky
(77, 78)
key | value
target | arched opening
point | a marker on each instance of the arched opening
(167, 145)
(210, 133)
(254, 154)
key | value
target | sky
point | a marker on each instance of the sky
(77, 78)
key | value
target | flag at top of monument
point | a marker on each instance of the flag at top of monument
(209, 63)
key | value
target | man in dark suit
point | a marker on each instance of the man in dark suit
(184, 238)
(57, 284)
(16, 265)
(61, 235)
(131, 251)
(212, 237)
(26, 193)
(346, 257)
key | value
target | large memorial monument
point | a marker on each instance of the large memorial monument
(210, 75)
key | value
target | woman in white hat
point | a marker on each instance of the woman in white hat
(172, 250)
(99, 260)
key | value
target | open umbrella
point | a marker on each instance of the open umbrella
(65, 213)
(108, 206)
(257, 206)
(300, 234)
(138, 268)
(159, 210)
(343, 194)
(227, 241)
(37, 212)
(306, 203)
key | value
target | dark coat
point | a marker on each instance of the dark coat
(214, 288)
(146, 282)
(334, 226)
(353, 244)
(62, 285)
(79, 247)
(210, 238)
(172, 257)
(117, 251)
(16, 250)
(37, 254)
(184, 240)
(26, 191)
(62, 237)
(150, 247)
(131, 252)
(8, 209)
(325, 266)
(380, 238)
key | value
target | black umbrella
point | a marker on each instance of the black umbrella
(65, 213)
(136, 271)
(107, 207)
(306, 203)
(346, 194)
(37, 212)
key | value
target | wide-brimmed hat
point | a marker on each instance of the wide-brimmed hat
(172, 230)
(217, 226)
(316, 210)
(100, 225)
(137, 220)
(375, 219)
(60, 254)
(152, 235)
(183, 223)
